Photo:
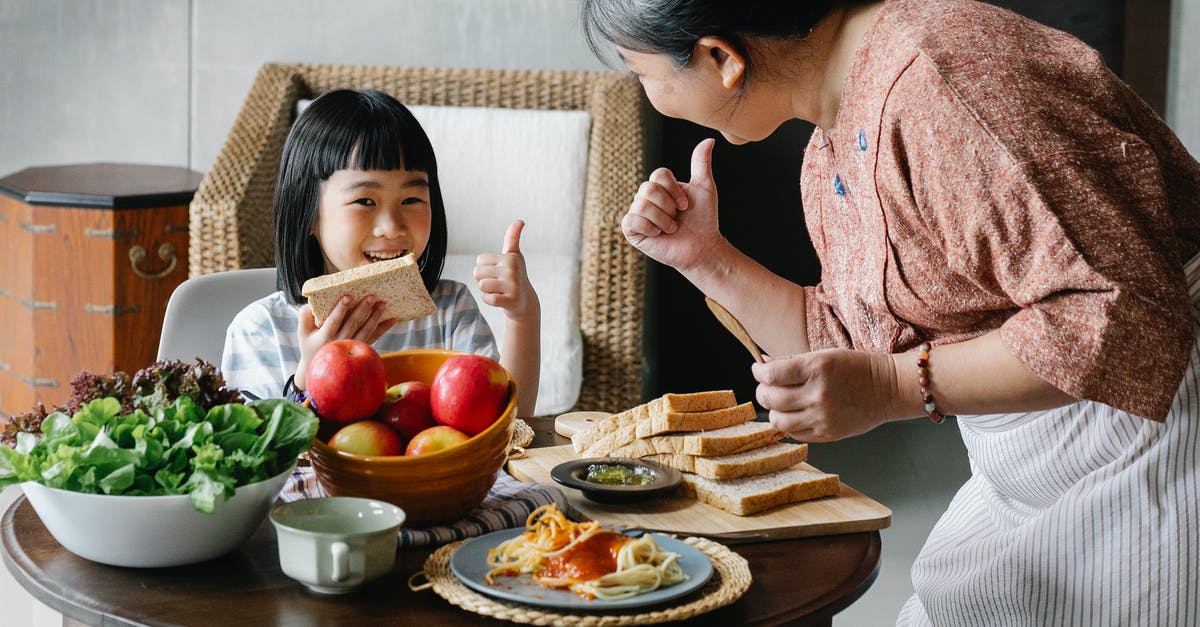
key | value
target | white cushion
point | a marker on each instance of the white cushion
(562, 344)
(500, 165)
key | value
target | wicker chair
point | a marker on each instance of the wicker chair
(231, 216)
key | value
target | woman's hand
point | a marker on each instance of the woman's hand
(827, 395)
(676, 223)
(503, 280)
(358, 321)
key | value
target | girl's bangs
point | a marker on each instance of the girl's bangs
(380, 144)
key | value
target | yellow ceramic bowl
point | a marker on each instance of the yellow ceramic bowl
(432, 488)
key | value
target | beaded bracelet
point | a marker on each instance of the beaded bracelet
(292, 393)
(289, 387)
(931, 410)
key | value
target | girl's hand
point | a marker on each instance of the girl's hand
(676, 223)
(503, 280)
(358, 321)
(827, 395)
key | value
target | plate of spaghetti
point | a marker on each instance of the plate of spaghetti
(555, 562)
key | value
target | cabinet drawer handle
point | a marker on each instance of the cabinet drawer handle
(111, 310)
(38, 383)
(39, 228)
(39, 304)
(166, 252)
(5, 367)
(111, 233)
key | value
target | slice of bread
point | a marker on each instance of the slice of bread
(689, 402)
(659, 421)
(610, 441)
(698, 401)
(748, 495)
(757, 461)
(724, 441)
(586, 438)
(665, 420)
(396, 282)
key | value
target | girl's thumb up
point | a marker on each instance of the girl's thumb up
(512, 238)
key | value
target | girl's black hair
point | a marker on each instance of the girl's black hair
(347, 129)
(673, 27)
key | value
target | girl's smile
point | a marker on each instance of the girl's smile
(372, 215)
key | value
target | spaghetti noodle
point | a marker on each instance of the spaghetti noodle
(584, 558)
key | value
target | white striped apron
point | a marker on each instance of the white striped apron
(1081, 515)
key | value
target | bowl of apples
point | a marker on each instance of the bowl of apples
(426, 430)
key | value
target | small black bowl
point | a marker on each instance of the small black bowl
(572, 473)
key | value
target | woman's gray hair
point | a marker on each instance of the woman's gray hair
(673, 27)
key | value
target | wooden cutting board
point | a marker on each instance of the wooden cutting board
(848, 512)
(569, 423)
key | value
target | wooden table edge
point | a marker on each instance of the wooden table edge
(819, 611)
(45, 595)
(830, 604)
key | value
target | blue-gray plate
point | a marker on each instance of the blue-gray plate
(469, 564)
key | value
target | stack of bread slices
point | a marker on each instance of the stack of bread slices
(728, 459)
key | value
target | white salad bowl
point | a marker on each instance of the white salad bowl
(151, 531)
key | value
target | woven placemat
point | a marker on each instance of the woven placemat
(730, 580)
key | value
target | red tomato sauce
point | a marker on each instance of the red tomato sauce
(588, 560)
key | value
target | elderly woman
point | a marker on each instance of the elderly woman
(1006, 233)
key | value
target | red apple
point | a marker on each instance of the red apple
(469, 393)
(406, 408)
(346, 380)
(367, 437)
(435, 439)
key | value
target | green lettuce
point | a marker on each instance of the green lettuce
(175, 448)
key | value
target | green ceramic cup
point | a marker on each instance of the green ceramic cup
(333, 544)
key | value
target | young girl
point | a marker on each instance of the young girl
(358, 184)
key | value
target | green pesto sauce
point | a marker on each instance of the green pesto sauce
(617, 474)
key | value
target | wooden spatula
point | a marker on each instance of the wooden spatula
(732, 325)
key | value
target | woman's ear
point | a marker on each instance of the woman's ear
(723, 58)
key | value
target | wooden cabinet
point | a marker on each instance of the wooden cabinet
(89, 255)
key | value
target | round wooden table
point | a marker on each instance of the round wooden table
(803, 581)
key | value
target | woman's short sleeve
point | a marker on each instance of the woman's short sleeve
(1066, 220)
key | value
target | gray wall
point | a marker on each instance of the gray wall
(160, 81)
(1183, 74)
